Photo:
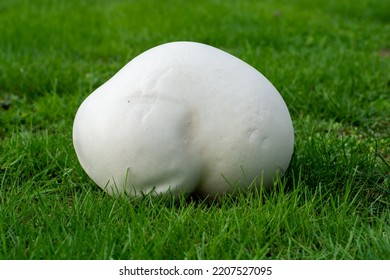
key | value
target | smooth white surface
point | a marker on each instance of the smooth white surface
(184, 117)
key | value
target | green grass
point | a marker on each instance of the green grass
(330, 61)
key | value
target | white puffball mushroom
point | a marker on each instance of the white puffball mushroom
(183, 117)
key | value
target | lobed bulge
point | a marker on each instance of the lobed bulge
(183, 117)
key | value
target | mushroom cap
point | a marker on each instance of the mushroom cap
(183, 117)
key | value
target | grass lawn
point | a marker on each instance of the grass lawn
(329, 60)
